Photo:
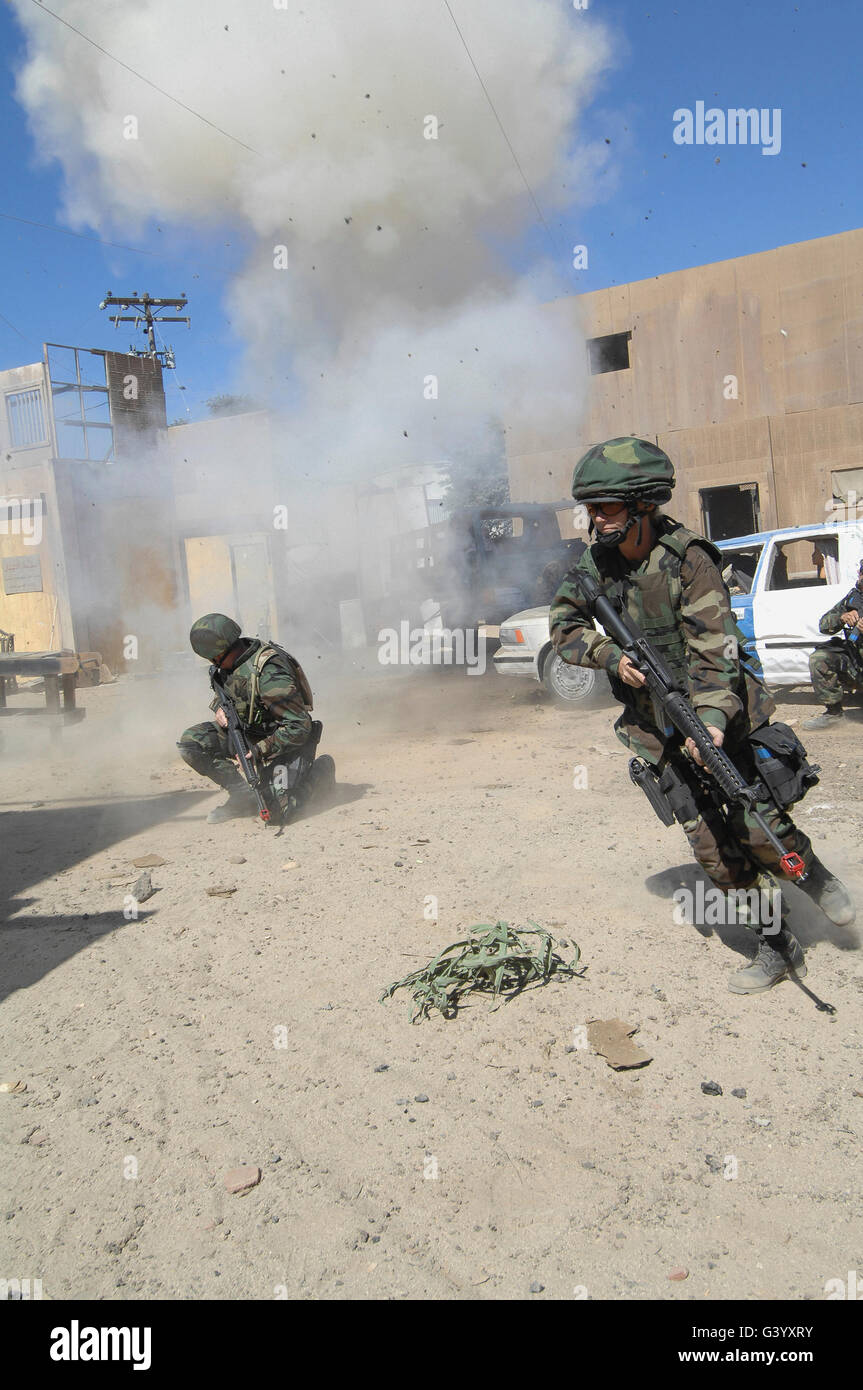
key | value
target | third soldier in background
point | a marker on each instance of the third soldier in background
(837, 667)
(670, 583)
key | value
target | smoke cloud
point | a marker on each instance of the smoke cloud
(402, 319)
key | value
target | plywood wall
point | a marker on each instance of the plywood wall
(38, 621)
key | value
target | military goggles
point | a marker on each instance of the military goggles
(610, 507)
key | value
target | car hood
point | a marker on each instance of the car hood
(527, 615)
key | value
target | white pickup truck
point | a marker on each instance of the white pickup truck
(780, 584)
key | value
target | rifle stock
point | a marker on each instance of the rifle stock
(672, 700)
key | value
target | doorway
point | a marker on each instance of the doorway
(233, 575)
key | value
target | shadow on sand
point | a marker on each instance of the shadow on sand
(43, 842)
(807, 921)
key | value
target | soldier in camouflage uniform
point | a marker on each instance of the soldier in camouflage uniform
(271, 695)
(669, 580)
(837, 667)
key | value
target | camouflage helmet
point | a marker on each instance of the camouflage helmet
(625, 469)
(213, 635)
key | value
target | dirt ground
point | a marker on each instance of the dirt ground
(485, 1157)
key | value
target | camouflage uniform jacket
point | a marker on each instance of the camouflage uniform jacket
(281, 718)
(677, 597)
(832, 619)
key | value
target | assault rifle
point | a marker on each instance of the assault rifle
(240, 745)
(671, 699)
(851, 635)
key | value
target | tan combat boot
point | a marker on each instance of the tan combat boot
(828, 892)
(776, 958)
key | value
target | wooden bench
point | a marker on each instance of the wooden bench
(58, 670)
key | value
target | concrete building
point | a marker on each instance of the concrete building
(114, 527)
(749, 373)
(84, 488)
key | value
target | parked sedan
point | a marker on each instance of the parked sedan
(525, 650)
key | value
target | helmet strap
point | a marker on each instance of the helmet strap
(611, 539)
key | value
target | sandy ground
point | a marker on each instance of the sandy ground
(212, 1032)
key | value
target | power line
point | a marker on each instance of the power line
(48, 227)
(174, 380)
(142, 78)
(509, 146)
(147, 303)
(11, 325)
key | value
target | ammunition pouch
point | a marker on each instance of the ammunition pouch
(781, 764)
(643, 776)
(852, 645)
(668, 792)
(286, 776)
(679, 793)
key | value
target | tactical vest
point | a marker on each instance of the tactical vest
(652, 595)
(261, 657)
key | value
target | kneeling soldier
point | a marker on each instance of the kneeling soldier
(273, 701)
(837, 667)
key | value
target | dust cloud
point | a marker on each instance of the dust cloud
(397, 176)
(392, 226)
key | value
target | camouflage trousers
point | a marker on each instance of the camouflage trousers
(835, 672)
(731, 849)
(205, 748)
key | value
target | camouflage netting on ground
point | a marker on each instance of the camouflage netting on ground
(493, 959)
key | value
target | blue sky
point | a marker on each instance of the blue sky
(664, 207)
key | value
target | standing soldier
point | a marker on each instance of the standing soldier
(273, 701)
(670, 583)
(837, 667)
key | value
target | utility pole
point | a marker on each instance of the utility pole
(147, 319)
